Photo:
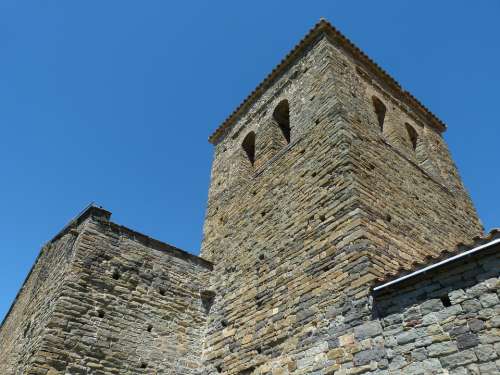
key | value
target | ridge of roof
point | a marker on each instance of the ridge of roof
(323, 26)
(491, 238)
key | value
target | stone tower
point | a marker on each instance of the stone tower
(327, 176)
(333, 208)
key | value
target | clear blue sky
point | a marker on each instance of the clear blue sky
(113, 101)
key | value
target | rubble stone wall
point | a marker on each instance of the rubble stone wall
(305, 211)
(298, 236)
(284, 235)
(125, 304)
(22, 330)
(413, 200)
(446, 322)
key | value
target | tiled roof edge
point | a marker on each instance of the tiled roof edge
(478, 243)
(324, 26)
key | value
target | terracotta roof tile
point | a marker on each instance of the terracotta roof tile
(445, 254)
(325, 27)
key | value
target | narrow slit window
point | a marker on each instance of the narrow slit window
(207, 299)
(380, 111)
(413, 135)
(281, 115)
(249, 146)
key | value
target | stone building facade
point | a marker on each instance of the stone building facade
(339, 239)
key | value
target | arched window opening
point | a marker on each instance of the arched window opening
(249, 146)
(413, 135)
(380, 111)
(282, 116)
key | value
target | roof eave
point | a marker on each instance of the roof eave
(324, 27)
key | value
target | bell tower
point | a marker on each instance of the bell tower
(328, 175)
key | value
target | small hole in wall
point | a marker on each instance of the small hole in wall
(313, 174)
(223, 322)
(446, 301)
(388, 218)
(254, 192)
(261, 256)
(322, 217)
(162, 291)
(219, 369)
(316, 121)
(26, 330)
(312, 98)
(116, 275)
(150, 328)
(144, 365)
(247, 371)
(259, 350)
(263, 213)
(100, 314)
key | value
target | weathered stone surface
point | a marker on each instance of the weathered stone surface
(122, 303)
(315, 193)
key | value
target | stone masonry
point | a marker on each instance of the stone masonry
(339, 239)
(102, 299)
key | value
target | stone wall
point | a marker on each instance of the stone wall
(413, 200)
(447, 321)
(312, 198)
(298, 236)
(283, 234)
(22, 329)
(125, 304)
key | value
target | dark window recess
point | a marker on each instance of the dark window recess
(27, 329)
(100, 314)
(116, 275)
(413, 135)
(282, 116)
(446, 301)
(207, 299)
(144, 365)
(248, 146)
(247, 371)
(380, 111)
